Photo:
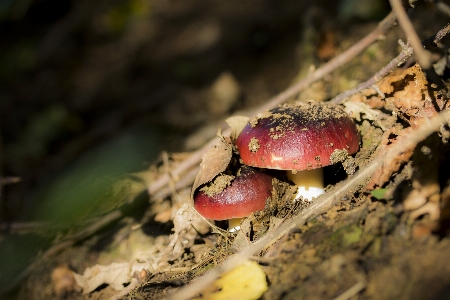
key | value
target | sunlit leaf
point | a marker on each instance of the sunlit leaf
(246, 282)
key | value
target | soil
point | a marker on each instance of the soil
(100, 99)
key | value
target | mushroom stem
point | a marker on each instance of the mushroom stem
(309, 182)
(234, 224)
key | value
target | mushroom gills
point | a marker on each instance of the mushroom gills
(310, 183)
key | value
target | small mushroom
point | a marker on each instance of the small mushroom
(244, 194)
(299, 138)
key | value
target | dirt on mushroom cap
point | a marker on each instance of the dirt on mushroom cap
(240, 197)
(297, 136)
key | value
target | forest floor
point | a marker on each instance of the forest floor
(105, 105)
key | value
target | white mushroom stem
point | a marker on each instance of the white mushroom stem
(309, 182)
(234, 224)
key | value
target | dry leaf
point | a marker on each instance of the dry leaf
(115, 274)
(385, 171)
(242, 238)
(184, 233)
(410, 96)
(215, 161)
(237, 124)
(63, 281)
(356, 109)
(245, 282)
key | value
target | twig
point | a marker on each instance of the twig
(186, 180)
(9, 180)
(321, 205)
(18, 226)
(354, 290)
(407, 51)
(400, 59)
(422, 55)
(432, 42)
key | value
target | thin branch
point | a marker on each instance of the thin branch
(400, 59)
(407, 51)
(321, 205)
(21, 226)
(423, 56)
(353, 291)
(432, 42)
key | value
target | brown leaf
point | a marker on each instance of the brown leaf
(63, 281)
(384, 173)
(236, 123)
(115, 274)
(215, 161)
(410, 96)
(185, 222)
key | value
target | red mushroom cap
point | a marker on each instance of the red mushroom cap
(247, 193)
(299, 136)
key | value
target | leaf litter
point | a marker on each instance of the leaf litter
(327, 248)
(345, 219)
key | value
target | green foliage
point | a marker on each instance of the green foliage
(379, 194)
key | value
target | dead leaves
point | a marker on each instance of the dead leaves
(411, 97)
(390, 139)
(115, 274)
(237, 124)
(245, 282)
(187, 224)
(407, 94)
(215, 161)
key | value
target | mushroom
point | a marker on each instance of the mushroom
(300, 138)
(232, 198)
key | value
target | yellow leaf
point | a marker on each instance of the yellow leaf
(246, 282)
